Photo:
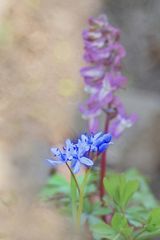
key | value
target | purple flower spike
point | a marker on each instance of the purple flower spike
(103, 77)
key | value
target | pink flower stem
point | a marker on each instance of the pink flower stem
(103, 165)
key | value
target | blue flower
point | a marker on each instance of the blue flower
(98, 142)
(77, 154)
(80, 157)
(102, 141)
(62, 157)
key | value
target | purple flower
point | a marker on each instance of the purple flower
(93, 76)
(116, 80)
(93, 124)
(103, 76)
(120, 123)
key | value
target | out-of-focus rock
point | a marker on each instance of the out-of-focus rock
(139, 24)
(34, 221)
(40, 57)
(139, 146)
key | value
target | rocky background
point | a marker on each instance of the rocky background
(40, 57)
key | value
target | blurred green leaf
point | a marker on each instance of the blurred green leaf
(120, 224)
(137, 216)
(120, 189)
(144, 191)
(57, 180)
(102, 230)
(101, 211)
(153, 222)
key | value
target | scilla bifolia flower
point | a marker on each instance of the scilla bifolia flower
(77, 154)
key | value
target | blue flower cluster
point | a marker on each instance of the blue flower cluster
(78, 153)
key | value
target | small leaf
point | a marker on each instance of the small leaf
(57, 180)
(153, 223)
(103, 230)
(101, 211)
(118, 221)
(120, 189)
(120, 224)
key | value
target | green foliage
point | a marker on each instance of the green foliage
(120, 189)
(119, 229)
(102, 230)
(144, 191)
(132, 211)
(56, 187)
(133, 218)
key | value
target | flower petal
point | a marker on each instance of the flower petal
(55, 151)
(86, 161)
(103, 147)
(54, 162)
(76, 168)
(97, 135)
(107, 137)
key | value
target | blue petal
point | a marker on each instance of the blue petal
(86, 161)
(54, 162)
(68, 143)
(84, 138)
(103, 147)
(55, 151)
(73, 162)
(107, 137)
(82, 147)
(97, 135)
(76, 167)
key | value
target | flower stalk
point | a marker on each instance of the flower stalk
(73, 177)
(81, 197)
(103, 164)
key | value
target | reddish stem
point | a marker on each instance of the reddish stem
(103, 165)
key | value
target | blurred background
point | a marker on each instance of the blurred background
(40, 56)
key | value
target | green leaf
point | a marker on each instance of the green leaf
(118, 221)
(103, 230)
(152, 227)
(137, 216)
(144, 191)
(56, 185)
(153, 222)
(120, 189)
(52, 192)
(101, 211)
(148, 235)
(128, 190)
(57, 180)
(120, 224)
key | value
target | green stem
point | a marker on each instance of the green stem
(73, 198)
(73, 177)
(117, 236)
(81, 198)
(138, 234)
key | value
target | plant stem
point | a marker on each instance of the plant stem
(81, 198)
(103, 164)
(73, 198)
(138, 234)
(73, 177)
